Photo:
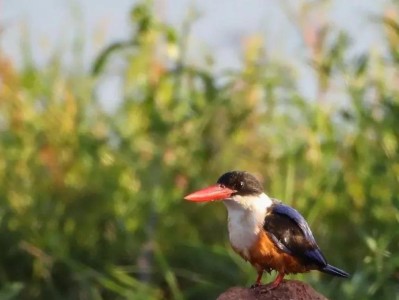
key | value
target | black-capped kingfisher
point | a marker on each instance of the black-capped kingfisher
(263, 231)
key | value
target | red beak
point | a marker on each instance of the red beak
(214, 192)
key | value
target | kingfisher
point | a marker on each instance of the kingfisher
(265, 232)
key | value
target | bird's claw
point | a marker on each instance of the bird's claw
(255, 285)
(266, 288)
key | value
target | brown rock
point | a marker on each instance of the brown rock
(288, 289)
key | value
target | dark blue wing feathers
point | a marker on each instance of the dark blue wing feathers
(316, 256)
(313, 254)
(294, 215)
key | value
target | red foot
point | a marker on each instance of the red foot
(259, 278)
(274, 284)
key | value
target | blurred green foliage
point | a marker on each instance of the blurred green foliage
(91, 200)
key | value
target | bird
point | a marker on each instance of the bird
(265, 232)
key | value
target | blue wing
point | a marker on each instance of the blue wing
(291, 233)
(294, 215)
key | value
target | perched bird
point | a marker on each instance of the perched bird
(265, 232)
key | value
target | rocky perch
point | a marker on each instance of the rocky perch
(288, 289)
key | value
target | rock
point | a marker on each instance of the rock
(288, 289)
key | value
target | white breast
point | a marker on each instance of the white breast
(246, 215)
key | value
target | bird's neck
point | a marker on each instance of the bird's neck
(246, 215)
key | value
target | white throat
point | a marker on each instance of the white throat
(246, 215)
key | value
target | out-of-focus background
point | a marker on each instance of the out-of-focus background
(112, 111)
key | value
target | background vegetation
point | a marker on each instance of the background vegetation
(91, 200)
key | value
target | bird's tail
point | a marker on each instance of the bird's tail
(329, 269)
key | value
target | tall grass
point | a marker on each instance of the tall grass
(91, 200)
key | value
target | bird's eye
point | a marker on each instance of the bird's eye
(241, 184)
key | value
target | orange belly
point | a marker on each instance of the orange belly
(265, 255)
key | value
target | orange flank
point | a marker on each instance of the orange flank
(264, 255)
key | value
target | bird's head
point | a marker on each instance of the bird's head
(232, 185)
